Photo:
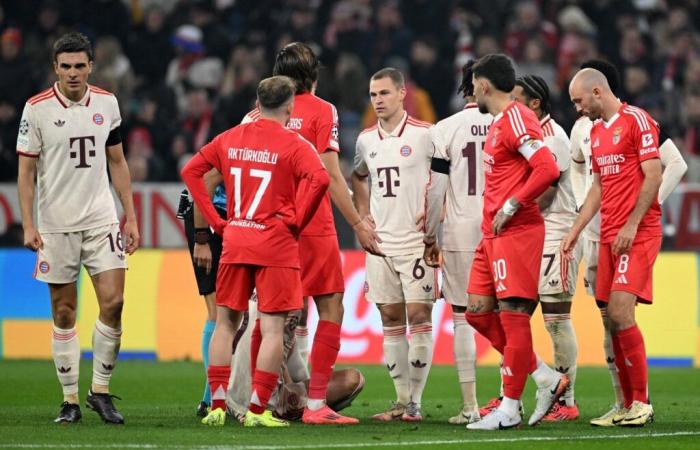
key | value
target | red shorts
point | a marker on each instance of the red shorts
(508, 266)
(630, 272)
(278, 288)
(321, 269)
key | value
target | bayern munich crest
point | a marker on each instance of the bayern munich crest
(44, 267)
(406, 151)
(98, 119)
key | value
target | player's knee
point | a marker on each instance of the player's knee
(112, 306)
(64, 315)
(331, 308)
(419, 316)
(620, 318)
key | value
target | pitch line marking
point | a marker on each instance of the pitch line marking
(361, 444)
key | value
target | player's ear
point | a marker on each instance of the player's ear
(402, 92)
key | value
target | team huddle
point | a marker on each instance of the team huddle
(495, 197)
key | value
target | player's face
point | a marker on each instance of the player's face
(480, 90)
(586, 101)
(72, 70)
(386, 97)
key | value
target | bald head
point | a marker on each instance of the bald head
(588, 79)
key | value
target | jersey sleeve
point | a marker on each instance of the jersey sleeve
(359, 163)
(559, 146)
(250, 117)
(524, 127)
(29, 135)
(440, 148)
(327, 131)
(211, 152)
(577, 138)
(116, 119)
(645, 136)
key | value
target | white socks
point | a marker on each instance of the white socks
(105, 348)
(610, 359)
(420, 357)
(465, 359)
(65, 349)
(302, 344)
(565, 349)
(543, 375)
(396, 356)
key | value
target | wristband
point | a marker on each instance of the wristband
(429, 240)
(202, 235)
(508, 209)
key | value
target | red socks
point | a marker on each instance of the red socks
(255, 341)
(622, 370)
(518, 358)
(263, 385)
(631, 342)
(323, 355)
(218, 384)
(489, 325)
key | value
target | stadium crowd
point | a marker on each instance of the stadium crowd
(185, 70)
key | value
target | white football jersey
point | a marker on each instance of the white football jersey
(460, 140)
(69, 139)
(398, 165)
(561, 214)
(581, 154)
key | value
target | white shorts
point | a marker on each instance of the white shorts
(590, 254)
(400, 279)
(98, 249)
(456, 267)
(558, 276)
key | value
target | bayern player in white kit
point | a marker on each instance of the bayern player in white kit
(557, 275)
(68, 138)
(582, 178)
(457, 186)
(395, 154)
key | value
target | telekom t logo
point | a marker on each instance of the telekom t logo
(83, 152)
(388, 182)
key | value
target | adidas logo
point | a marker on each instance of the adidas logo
(622, 279)
(427, 288)
(417, 364)
(586, 283)
(108, 367)
(562, 369)
(610, 360)
(392, 367)
(373, 154)
(64, 369)
(501, 287)
(505, 370)
(59, 123)
(553, 282)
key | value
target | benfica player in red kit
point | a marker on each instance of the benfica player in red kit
(321, 269)
(626, 179)
(518, 168)
(263, 165)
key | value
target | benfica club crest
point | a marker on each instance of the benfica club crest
(494, 138)
(616, 135)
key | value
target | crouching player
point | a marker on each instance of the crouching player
(263, 165)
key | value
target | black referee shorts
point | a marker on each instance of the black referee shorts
(206, 283)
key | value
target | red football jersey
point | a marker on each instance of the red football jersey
(619, 146)
(263, 165)
(506, 170)
(317, 121)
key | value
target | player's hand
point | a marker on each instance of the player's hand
(32, 239)
(202, 256)
(567, 246)
(370, 221)
(131, 236)
(420, 220)
(499, 222)
(431, 254)
(624, 239)
(368, 238)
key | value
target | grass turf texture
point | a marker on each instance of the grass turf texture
(160, 399)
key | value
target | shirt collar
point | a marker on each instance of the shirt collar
(396, 132)
(545, 119)
(66, 102)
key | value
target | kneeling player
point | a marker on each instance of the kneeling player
(266, 164)
(292, 393)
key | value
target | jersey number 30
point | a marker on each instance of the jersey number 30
(264, 176)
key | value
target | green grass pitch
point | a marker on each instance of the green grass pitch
(159, 401)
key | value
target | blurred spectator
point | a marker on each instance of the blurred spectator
(486, 44)
(138, 168)
(112, 69)
(389, 37)
(536, 61)
(633, 50)
(527, 24)
(216, 40)
(432, 73)
(149, 39)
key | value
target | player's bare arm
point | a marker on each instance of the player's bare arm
(26, 186)
(338, 189)
(436, 192)
(649, 192)
(589, 209)
(121, 179)
(360, 189)
(202, 252)
(545, 200)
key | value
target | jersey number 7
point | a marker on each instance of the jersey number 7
(265, 177)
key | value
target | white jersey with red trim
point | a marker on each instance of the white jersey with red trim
(398, 165)
(581, 154)
(460, 139)
(561, 214)
(69, 139)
